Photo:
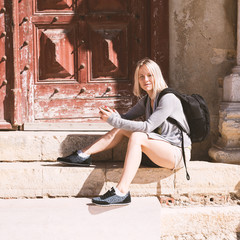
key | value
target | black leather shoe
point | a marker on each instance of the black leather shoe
(75, 159)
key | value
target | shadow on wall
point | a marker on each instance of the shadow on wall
(238, 232)
(231, 15)
(76, 142)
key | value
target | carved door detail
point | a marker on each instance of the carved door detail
(77, 55)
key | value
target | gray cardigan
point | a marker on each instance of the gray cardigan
(156, 125)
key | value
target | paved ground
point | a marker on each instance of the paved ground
(77, 218)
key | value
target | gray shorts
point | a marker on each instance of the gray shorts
(179, 157)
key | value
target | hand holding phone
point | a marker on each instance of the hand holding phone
(105, 108)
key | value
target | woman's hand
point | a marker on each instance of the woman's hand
(105, 113)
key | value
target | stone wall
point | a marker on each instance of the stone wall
(202, 53)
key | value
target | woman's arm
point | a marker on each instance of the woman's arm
(136, 111)
(161, 113)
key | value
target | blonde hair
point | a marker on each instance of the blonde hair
(158, 83)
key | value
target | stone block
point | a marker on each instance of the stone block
(46, 146)
(204, 221)
(231, 88)
(51, 147)
(20, 180)
(225, 156)
(15, 146)
(62, 180)
(208, 178)
(56, 145)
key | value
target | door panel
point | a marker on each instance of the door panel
(65, 5)
(80, 55)
(67, 103)
(107, 6)
(56, 55)
(108, 43)
(67, 109)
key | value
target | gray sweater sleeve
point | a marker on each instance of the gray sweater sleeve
(164, 109)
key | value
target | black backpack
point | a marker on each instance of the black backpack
(196, 112)
(197, 115)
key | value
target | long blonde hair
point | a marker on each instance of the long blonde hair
(158, 84)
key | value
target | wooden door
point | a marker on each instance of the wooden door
(78, 55)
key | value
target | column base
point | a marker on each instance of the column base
(231, 156)
(227, 147)
(236, 70)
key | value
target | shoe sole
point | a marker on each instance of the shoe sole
(78, 164)
(110, 205)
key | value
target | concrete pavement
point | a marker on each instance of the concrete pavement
(77, 219)
(144, 218)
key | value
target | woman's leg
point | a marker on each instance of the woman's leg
(160, 152)
(107, 141)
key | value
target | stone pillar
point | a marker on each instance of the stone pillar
(227, 148)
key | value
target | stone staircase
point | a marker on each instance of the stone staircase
(28, 169)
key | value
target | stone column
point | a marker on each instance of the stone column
(227, 148)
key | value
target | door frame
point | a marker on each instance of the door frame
(12, 103)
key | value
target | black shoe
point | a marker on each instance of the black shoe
(75, 159)
(111, 198)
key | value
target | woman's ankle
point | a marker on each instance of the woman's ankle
(123, 191)
(83, 154)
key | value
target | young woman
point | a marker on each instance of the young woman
(159, 139)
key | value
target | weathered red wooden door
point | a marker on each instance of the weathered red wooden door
(78, 55)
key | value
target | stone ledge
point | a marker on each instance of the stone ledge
(47, 146)
(49, 179)
(200, 223)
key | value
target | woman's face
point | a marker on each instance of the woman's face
(145, 79)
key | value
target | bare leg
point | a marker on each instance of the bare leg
(160, 151)
(107, 141)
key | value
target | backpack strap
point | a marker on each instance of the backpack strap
(172, 120)
(145, 100)
(175, 122)
(184, 157)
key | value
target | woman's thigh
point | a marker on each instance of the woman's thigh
(160, 152)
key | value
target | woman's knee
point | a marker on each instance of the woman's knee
(120, 132)
(138, 137)
(125, 133)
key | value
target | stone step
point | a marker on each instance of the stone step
(48, 145)
(210, 182)
(200, 223)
